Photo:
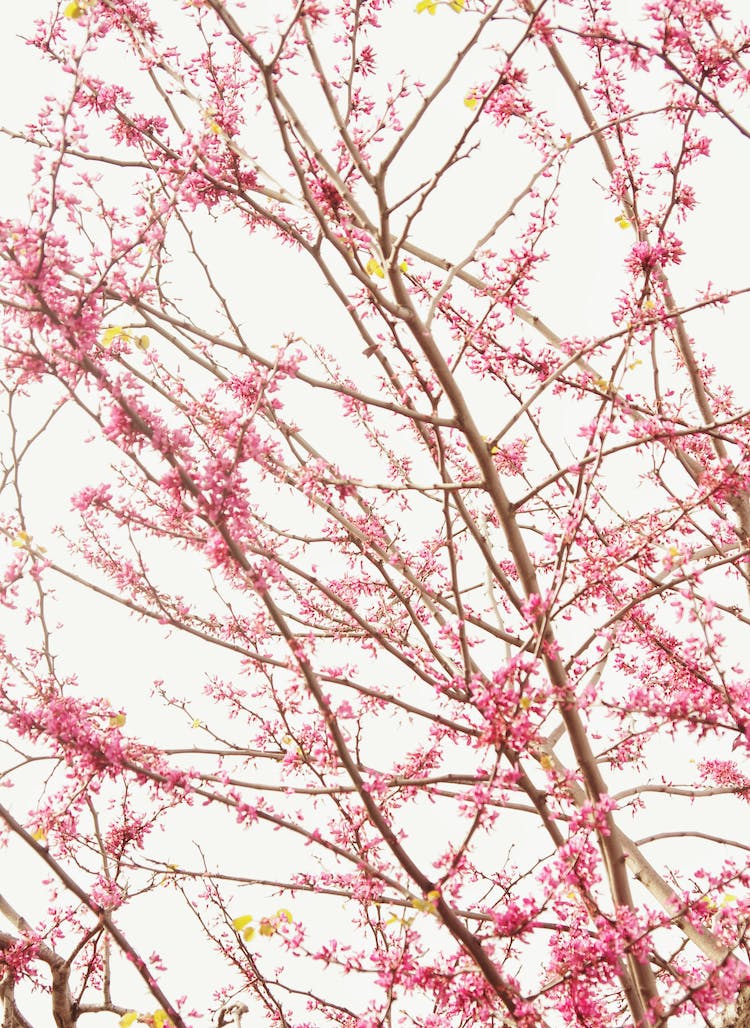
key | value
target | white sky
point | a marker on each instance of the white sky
(115, 656)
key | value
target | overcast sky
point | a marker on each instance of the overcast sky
(108, 646)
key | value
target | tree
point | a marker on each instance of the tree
(390, 364)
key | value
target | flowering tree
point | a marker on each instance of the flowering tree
(377, 350)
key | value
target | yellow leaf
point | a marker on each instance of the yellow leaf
(267, 927)
(143, 342)
(240, 922)
(40, 835)
(525, 702)
(284, 915)
(373, 268)
(248, 934)
(21, 541)
(471, 100)
(117, 721)
(73, 10)
(110, 335)
(403, 266)
(127, 1019)
(426, 5)
(428, 905)
(196, 723)
(622, 221)
(161, 1018)
(456, 5)
(167, 879)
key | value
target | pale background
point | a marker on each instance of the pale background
(111, 653)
